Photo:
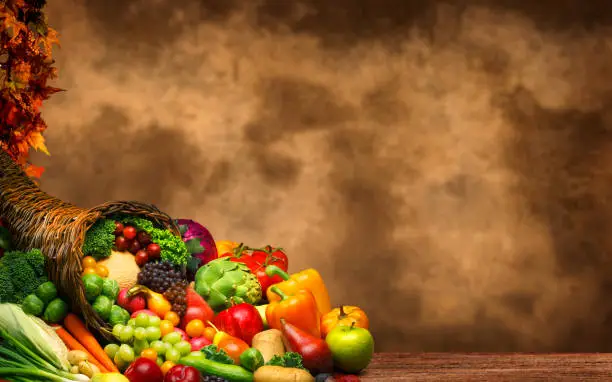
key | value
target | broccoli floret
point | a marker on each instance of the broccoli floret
(36, 260)
(99, 239)
(24, 271)
(6, 285)
(173, 249)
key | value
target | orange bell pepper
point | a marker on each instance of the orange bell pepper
(299, 309)
(344, 316)
(308, 279)
(233, 346)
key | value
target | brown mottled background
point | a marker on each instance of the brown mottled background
(446, 165)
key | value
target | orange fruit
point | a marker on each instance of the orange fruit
(194, 328)
(89, 262)
(89, 271)
(101, 270)
(166, 327)
(173, 318)
(167, 366)
(149, 353)
(209, 333)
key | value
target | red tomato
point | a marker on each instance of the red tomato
(129, 232)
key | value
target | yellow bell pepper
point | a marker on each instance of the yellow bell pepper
(225, 246)
(307, 279)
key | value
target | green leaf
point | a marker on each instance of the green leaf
(213, 353)
(194, 246)
(183, 229)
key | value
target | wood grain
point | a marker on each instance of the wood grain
(489, 367)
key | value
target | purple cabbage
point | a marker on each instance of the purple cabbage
(200, 244)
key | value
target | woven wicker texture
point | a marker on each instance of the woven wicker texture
(38, 220)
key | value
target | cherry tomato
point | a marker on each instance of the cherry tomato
(121, 243)
(195, 328)
(141, 258)
(209, 333)
(129, 232)
(143, 238)
(118, 228)
(173, 318)
(90, 271)
(154, 250)
(149, 353)
(102, 270)
(167, 366)
(89, 262)
(134, 247)
(166, 327)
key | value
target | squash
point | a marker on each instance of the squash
(121, 267)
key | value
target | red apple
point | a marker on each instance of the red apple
(182, 373)
(198, 343)
(144, 370)
(242, 321)
(132, 304)
(147, 311)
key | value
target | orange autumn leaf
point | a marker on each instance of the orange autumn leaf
(37, 142)
(34, 171)
(27, 40)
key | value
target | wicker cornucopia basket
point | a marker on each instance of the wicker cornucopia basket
(38, 220)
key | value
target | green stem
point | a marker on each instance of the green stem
(26, 351)
(12, 371)
(273, 270)
(279, 292)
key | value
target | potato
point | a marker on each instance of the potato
(269, 343)
(77, 356)
(281, 374)
(88, 369)
(74, 369)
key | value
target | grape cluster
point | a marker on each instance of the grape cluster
(212, 378)
(159, 276)
(177, 295)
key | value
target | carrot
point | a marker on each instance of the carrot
(77, 328)
(73, 344)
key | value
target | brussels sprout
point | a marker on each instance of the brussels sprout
(46, 292)
(103, 306)
(93, 286)
(110, 288)
(33, 305)
(56, 311)
(118, 315)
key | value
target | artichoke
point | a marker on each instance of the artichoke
(222, 282)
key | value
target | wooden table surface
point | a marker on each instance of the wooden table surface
(489, 367)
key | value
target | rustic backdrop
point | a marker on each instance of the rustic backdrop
(447, 167)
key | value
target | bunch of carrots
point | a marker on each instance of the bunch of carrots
(76, 336)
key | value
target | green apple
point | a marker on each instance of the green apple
(262, 312)
(351, 347)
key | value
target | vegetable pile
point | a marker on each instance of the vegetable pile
(182, 309)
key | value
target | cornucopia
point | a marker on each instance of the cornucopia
(123, 292)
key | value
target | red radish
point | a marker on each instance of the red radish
(183, 334)
(129, 232)
(133, 304)
(147, 311)
(198, 343)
